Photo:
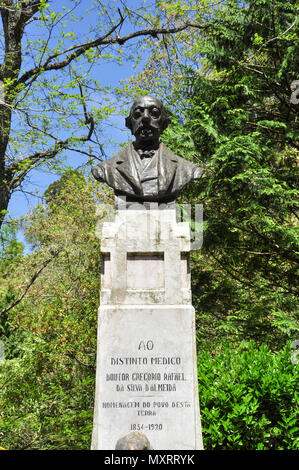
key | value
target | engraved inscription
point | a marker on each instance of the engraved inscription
(146, 376)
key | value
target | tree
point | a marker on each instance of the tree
(244, 129)
(11, 255)
(47, 379)
(45, 84)
(47, 382)
(236, 118)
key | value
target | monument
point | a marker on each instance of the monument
(146, 383)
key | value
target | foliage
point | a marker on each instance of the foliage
(249, 399)
(54, 93)
(241, 126)
(11, 255)
(247, 395)
(47, 380)
(233, 116)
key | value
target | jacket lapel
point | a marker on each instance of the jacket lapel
(167, 164)
(126, 166)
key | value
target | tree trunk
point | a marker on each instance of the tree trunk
(4, 200)
(13, 20)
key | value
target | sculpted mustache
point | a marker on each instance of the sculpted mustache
(146, 126)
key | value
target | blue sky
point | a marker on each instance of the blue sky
(40, 179)
(110, 74)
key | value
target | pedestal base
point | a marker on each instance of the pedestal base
(147, 377)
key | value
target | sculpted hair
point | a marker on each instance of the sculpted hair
(165, 118)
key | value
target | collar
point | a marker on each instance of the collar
(147, 149)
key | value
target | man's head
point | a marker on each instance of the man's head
(147, 120)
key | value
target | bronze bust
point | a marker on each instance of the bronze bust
(146, 170)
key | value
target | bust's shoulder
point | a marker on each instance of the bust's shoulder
(121, 155)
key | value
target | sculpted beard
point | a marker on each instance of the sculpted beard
(147, 131)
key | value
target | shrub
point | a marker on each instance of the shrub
(248, 399)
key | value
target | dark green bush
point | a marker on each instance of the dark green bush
(248, 399)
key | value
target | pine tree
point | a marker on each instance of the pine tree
(241, 125)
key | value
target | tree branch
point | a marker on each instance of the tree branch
(105, 40)
(33, 279)
(73, 356)
(289, 255)
(88, 118)
(40, 157)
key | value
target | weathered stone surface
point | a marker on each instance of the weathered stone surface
(147, 376)
(151, 234)
(146, 362)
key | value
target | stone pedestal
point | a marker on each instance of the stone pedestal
(146, 362)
